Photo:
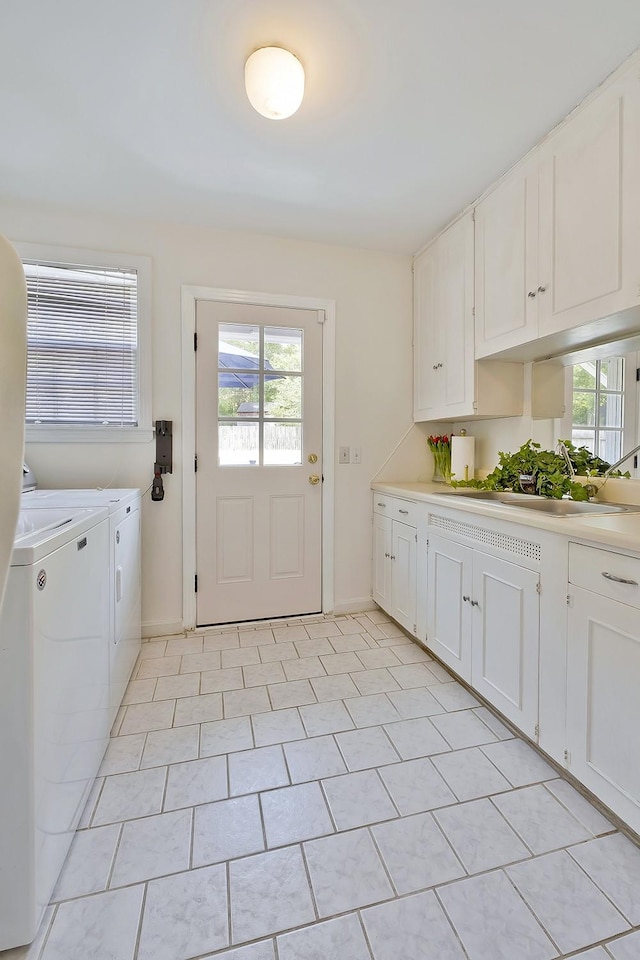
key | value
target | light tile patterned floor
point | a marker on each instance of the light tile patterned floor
(323, 789)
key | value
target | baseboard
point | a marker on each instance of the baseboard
(356, 605)
(161, 628)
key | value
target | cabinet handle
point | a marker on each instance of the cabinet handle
(381, 504)
(474, 603)
(542, 289)
(391, 556)
(387, 555)
(612, 576)
(404, 511)
(531, 294)
(466, 599)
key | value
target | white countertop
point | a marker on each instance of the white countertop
(613, 530)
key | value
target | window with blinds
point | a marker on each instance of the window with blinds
(83, 356)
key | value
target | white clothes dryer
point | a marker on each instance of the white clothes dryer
(54, 701)
(124, 508)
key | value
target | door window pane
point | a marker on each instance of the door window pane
(238, 443)
(283, 398)
(584, 375)
(283, 348)
(282, 444)
(240, 401)
(610, 445)
(259, 382)
(611, 374)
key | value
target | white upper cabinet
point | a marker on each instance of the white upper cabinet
(557, 242)
(443, 277)
(448, 383)
(590, 211)
(506, 265)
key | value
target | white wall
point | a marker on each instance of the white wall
(373, 373)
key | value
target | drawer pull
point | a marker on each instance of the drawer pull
(381, 504)
(404, 511)
(612, 576)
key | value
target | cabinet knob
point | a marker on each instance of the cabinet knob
(391, 556)
(387, 555)
(531, 294)
(542, 289)
(466, 599)
(474, 603)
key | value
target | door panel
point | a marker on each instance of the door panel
(603, 702)
(506, 630)
(449, 579)
(258, 423)
(381, 561)
(506, 267)
(403, 575)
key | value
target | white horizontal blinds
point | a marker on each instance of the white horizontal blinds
(82, 344)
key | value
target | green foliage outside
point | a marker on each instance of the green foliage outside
(282, 397)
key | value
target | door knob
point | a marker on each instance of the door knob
(314, 479)
(313, 458)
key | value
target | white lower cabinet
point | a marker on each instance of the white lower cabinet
(603, 705)
(483, 622)
(395, 562)
(449, 588)
(506, 638)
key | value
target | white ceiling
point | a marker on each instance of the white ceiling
(412, 107)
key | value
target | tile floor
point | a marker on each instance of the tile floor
(323, 789)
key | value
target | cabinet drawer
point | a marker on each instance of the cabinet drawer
(606, 573)
(404, 510)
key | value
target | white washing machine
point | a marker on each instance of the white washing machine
(124, 572)
(54, 701)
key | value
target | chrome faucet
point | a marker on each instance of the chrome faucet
(562, 449)
(618, 463)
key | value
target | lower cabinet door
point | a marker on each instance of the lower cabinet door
(404, 575)
(603, 704)
(382, 561)
(449, 583)
(505, 641)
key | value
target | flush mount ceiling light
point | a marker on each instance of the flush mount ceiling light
(274, 79)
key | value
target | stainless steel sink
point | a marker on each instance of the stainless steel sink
(568, 508)
(558, 508)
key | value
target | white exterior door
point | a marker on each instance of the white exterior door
(259, 461)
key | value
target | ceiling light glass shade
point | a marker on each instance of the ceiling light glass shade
(274, 79)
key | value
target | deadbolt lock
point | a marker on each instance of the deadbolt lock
(313, 458)
(314, 479)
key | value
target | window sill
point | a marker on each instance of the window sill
(54, 433)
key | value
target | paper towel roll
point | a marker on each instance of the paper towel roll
(463, 458)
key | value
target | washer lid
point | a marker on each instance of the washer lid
(40, 532)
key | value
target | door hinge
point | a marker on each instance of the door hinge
(195, 463)
(416, 538)
(536, 731)
(569, 600)
(473, 311)
(473, 215)
(538, 587)
(195, 583)
(195, 341)
(638, 374)
(415, 627)
(567, 757)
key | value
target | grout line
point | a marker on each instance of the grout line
(113, 859)
(533, 913)
(143, 906)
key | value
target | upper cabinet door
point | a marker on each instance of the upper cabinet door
(590, 211)
(426, 340)
(456, 390)
(506, 263)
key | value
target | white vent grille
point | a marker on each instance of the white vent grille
(501, 541)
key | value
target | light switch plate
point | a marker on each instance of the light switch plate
(344, 455)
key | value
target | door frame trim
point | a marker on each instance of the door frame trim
(189, 296)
